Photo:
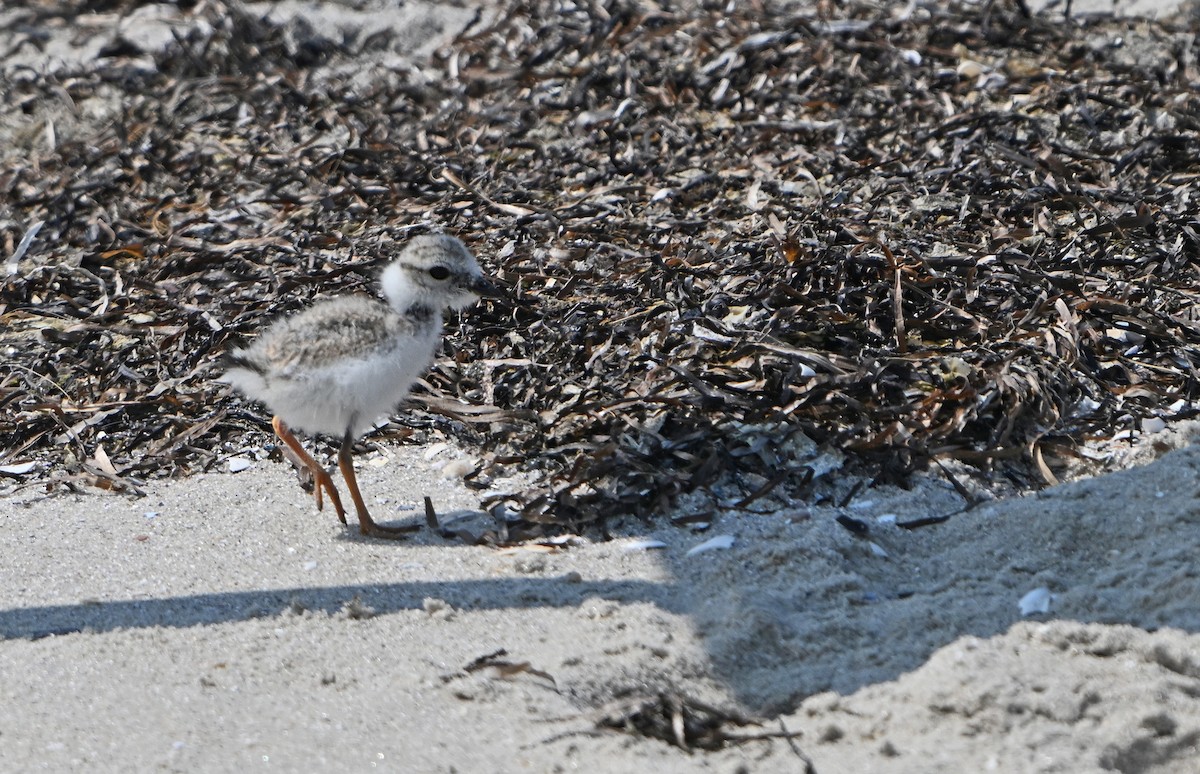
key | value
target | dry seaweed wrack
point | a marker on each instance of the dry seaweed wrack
(947, 232)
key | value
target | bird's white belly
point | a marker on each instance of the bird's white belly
(353, 392)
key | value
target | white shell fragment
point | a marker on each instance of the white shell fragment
(970, 69)
(19, 469)
(877, 550)
(713, 544)
(238, 464)
(644, 545)
(1036, 601)
(435, 450)
(459, 468)
(1153, 425)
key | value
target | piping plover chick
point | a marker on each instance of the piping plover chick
(341, 364)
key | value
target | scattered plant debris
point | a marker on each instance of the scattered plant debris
(909, 233)
(686, 723)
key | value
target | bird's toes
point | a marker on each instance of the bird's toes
(388, 533)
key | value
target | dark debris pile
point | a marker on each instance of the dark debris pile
(908, 233)
(691, 725)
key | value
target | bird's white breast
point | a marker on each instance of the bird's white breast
(352, 392)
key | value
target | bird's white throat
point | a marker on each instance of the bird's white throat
(398, 289)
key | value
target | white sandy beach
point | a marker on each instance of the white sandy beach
(221, 624)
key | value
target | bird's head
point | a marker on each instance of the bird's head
(437, 271)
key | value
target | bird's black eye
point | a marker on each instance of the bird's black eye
(439, 272)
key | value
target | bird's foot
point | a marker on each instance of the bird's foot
(321, 479)
(324, 481)
(371, 529)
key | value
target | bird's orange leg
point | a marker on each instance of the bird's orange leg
(366, 524)
(321, 477)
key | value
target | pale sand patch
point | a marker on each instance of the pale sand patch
(218, 623)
